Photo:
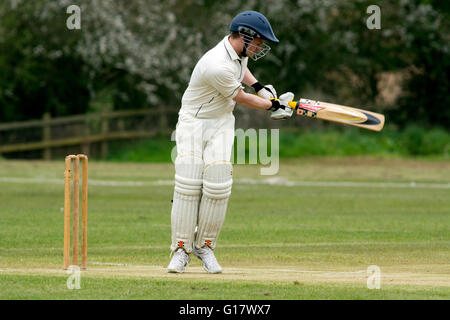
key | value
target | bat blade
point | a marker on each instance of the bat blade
(340, 114)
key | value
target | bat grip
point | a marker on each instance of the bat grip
(293, 104)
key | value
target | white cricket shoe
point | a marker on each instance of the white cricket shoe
(179, 260)
(210, 263)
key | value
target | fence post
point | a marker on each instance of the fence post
(86, 146)
(47, 136)
(162, 119)
(105, 129)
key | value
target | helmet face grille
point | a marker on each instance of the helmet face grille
(258, 51)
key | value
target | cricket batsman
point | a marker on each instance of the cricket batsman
(205, 136)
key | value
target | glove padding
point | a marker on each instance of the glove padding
(267, 92)
(284, 111)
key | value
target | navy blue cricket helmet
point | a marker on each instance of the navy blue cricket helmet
(256, 22)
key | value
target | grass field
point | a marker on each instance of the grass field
(310, 232)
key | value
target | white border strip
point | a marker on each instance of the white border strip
(269, 181)
(289, 183)
(236, 269)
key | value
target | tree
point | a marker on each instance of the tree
(140, 53)
(40, 72)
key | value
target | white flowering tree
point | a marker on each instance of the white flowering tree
(140, 53)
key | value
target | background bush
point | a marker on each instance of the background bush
(414, 141)
(140, 54)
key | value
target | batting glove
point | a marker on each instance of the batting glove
(280, 107)
(266, 92)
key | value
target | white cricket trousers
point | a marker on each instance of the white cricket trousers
(208, 139)
(203, 180)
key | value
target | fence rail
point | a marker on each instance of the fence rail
(83, 130)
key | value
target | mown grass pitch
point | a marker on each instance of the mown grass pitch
(310, 232)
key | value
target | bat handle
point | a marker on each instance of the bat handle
(293, 104)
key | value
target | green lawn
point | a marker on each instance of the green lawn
(313, 240)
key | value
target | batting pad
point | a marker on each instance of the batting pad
(217, 181)
(186, 199)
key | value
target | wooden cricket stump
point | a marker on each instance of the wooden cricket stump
(76, 160)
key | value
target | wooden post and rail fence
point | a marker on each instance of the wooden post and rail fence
(82, 131)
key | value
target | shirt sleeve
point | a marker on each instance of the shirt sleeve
(223, 80)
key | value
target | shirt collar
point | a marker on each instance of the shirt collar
(231, 51)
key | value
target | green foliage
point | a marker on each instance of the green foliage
(144, 57)
(294, 143)
(417, 141)
(414, 141)
(39, 70)
(425, 99)
(156, 149)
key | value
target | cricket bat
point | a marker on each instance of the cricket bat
(337, 113)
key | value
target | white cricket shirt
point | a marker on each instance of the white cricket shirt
(215, 81)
